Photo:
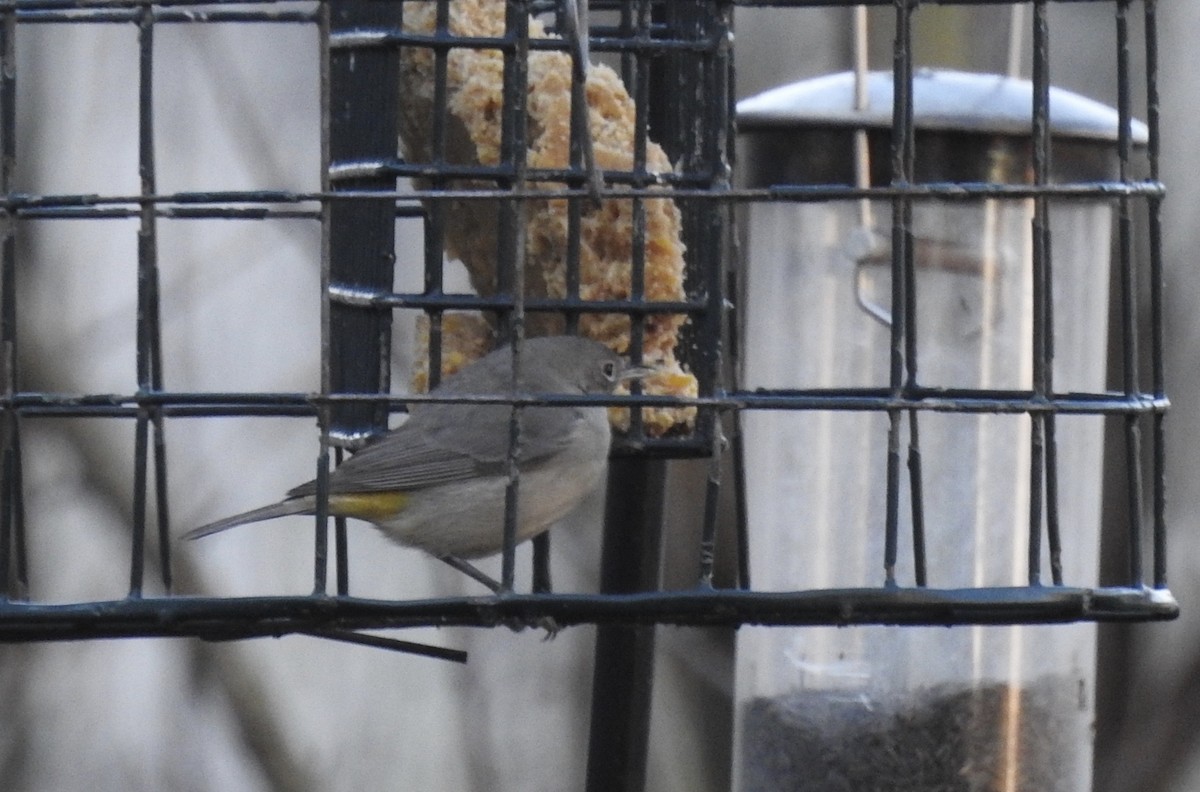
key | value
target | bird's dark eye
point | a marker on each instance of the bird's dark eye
(609, 369)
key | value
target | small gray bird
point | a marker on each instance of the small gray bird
(438, 481)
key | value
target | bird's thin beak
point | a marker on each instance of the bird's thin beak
(632, 372)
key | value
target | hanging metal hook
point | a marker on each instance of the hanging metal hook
(865, 247)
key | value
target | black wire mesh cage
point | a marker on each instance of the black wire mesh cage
(479, 166)
(599, 202)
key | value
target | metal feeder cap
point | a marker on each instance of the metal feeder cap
(943, 100)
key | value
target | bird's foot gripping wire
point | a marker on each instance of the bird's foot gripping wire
(546, 623)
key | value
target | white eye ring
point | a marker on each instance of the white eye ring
(609, 369)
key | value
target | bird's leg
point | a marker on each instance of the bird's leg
(472, 572)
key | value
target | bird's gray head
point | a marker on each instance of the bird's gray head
(549, 364)
(580, 364)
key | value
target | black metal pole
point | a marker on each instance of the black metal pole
(623, 678)
(361, 96)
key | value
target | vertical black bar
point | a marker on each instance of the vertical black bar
(8, 320)
(157, 427)
(1037, 447)
(901, 209)
(361, 100)
(740, 505)
(147, 281)
(579, 129)
(138, 544)
(14, 580)
(629, 30)
(149, 331)
(511, 252)
(8, 466)
(916, 485)
(623, 677)
(541, 564)
(1049, 420)
(737, 379)
(1041, 253)
(341, 548)
(735, 329)
(1053, 531)
(150, 366)
(1129, 301)
(712, 145)
(324, 416)
(1157, 297)
(712, 493)
(690, 113)
(435, 210)
(637, 275)
(162, 502)
(20, 556)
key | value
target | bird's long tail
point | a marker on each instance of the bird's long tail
(281, 509)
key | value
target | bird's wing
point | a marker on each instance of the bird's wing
(482, 432)
(443, 443)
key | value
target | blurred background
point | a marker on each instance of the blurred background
(237, 107)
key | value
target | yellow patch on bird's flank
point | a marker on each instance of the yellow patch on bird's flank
(370, 506)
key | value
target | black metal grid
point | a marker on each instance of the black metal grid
(676, 59)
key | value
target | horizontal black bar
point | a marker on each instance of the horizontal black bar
(169, 16)
(20, 203)
(794, 193)
(955, 190)
(378, 37)
(28, 5)
(850, 3)
(24, 201)
(201, 12)
(247, 617)
(355, 169)
(603, 39)
(180, 213)
(9, 5)
(849, 399)
(947, 400)
(470, 302)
